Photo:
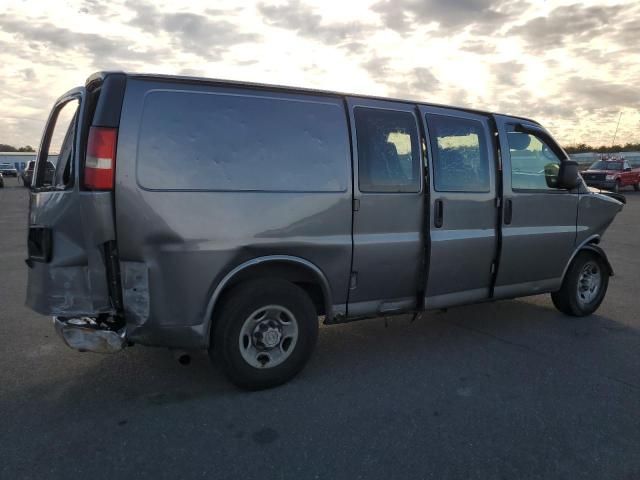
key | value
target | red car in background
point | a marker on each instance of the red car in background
(612, 174)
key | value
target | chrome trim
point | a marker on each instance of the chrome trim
(85, 335)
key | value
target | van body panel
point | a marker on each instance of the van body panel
(595, 214)
(540, 237)
(190, 239)
(388, 240)
(74, 282)
(463, 247)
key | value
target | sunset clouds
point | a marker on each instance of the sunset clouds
(571, 65)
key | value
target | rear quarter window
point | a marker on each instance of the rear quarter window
(231, 142)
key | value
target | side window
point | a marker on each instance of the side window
(534, 166)
(57, 166)
(388, 151)
(62, 167)
(242, 141)
(460, 160)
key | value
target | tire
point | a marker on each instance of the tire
(576, 297)
(616, 187)
(636, 186)
(243, 338)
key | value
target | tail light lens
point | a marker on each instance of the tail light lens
(100, 164)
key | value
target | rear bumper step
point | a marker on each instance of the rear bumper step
(86, 335)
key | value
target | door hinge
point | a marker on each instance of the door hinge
(499, 160)
(353, 281)
(356, 204)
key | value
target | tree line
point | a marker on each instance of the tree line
(584, 148)
(10, 148)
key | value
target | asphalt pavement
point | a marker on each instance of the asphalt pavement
(506, 390)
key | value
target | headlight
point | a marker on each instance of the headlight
(611, 177)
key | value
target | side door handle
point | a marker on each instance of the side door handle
(508, 211)
(438, 213)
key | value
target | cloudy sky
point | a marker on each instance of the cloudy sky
(572, 65)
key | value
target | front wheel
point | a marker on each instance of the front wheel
(636, 186)
(616, 187)
(264, 333)
(584, 286)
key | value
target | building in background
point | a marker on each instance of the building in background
(20, 159)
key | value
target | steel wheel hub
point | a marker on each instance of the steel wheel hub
(589, 283)
(268, 336)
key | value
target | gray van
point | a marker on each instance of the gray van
(205, 214)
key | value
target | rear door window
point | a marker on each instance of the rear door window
(388, 151)
(460, 161)
(58, 163)
(242, 142)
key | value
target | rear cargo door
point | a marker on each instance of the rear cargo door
(69, 228)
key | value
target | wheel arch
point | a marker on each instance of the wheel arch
(300, 271)
(590, 244)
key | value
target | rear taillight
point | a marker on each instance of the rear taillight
(100, 165)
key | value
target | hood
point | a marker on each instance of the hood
(616, 196)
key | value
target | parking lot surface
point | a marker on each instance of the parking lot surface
(505, 390)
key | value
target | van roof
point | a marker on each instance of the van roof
(98, 76)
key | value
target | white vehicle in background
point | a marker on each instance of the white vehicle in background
(8, 169)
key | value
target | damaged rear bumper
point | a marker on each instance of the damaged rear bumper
(86, 335)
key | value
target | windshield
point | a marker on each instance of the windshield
(600, 165)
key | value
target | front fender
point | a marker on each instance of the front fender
(590, 244)
(600, 252)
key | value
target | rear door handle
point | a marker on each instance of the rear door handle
(508, 211)
(438, 213)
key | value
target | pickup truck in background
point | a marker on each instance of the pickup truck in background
(612, 174)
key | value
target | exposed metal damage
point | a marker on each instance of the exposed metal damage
(89, 335)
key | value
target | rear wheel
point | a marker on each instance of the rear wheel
(636, 186)
(264, 333)
(584, 286)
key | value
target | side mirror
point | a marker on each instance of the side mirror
(551, 174)
(568, 175)
(628, 169)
